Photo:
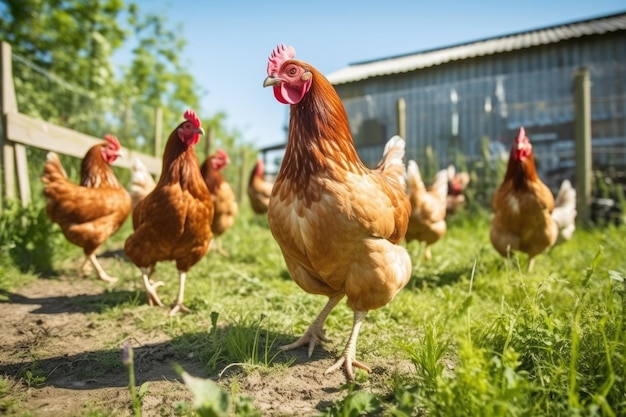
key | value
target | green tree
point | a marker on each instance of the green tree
(63, 50)
(63, 73)
(156, 78)
(63, 68)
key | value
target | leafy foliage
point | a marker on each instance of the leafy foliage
(28, 239)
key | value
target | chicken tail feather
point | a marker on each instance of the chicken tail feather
(141, 182)
(414, 178)
(392, 163)
(564, 214)
(53, 170)
(439, 185)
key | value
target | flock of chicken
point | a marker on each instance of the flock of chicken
(339, 224)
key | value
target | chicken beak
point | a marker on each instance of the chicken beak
(119, 154)
(271, 81)
(200, 131)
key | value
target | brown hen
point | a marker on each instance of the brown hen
(457, 185)
(339, 224)
(173, 222)
(522, 206)
(259, 189)
(89, 212)
(427, 222)
(222, 194)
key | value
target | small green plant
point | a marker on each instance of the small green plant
(136, 396)
(427, 354)
(249, 343)
(33, 376)
(7, 403)
(355, 403)
(211, 400)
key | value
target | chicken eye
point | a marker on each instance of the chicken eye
(293, 71)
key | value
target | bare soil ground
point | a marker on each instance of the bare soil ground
(46, 329)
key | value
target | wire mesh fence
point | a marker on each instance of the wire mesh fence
(46, 96)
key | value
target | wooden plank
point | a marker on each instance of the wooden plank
(8, 104)
(8, 168)
(9, 100)
(30, 131)
(23, 182)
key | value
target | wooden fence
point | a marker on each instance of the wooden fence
(17, 131)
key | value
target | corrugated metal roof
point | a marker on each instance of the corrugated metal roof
(405, 63)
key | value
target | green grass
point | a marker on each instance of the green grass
(483, 336)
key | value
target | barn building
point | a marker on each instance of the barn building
(468, 101)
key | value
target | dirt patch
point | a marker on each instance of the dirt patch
(58, 359)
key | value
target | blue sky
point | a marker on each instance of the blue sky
(229, 41)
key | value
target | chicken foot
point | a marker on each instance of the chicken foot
(178, 305)
(99, 270)
(216, 244)
(315, 332)
(151, 287)
(349, 354)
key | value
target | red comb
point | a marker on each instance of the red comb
(192, 117)
(278, 56)
(112, 140)
(521, 135)
(221, 153)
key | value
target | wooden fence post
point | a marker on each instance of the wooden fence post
(582, 137)
(8, 104)
(402, 118)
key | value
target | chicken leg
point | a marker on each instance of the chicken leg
(216, 244)
(178, 306)
(349, 354)
(151, 287)
(315, 332)
(427, 255)
(99, 270)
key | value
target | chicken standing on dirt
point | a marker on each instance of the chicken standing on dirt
(173, 222)
(89, 212)
(522, 206)
(339, 224)
(259, 189)
(427, 222)
(222, 194)
(141, 182)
